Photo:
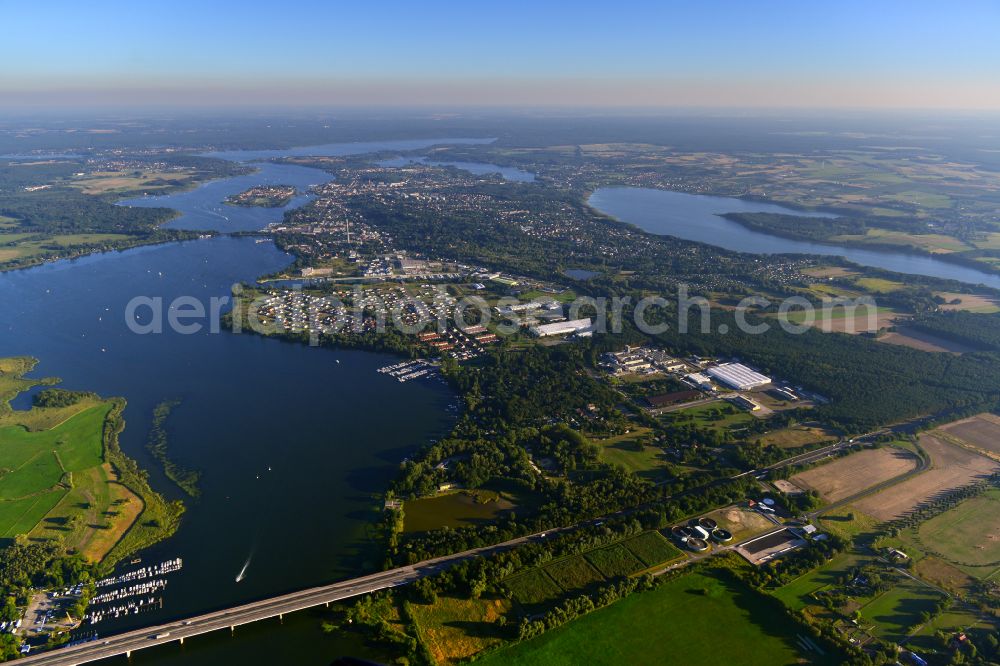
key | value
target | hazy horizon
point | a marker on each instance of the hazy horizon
(891, 55)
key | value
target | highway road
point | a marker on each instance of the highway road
(230, 618)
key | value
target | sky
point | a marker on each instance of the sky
(766, 53)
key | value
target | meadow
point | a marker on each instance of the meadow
(895, 613)
(692, 620)
(56, 481)
(718, 415)
(444, 626)
(627, 451)
(967, 536)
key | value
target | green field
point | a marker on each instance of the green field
(693, 620)
(951, 622)
(847, 522)
(878, 285)
(32, 462)
(573, 573)
(623, 450)
(614, 561)
(53, 483)
(897, 611)
(533, 588)
(718, 415)
(537, 588)
(35, 245)
(798, 593)
(21, 516)
(966, 535)
(652, 549)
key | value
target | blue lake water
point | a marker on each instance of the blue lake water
(697, 218)
(294, 448)
(203, 208)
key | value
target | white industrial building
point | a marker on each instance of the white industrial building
(578, 326)
(699, 380)
(738, 376)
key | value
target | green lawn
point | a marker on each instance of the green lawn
(693, 620)
(797, 594)
(951, 621)
(897, 611)
(623, 450)
(847, 522)
(966, 535)
(718, 415)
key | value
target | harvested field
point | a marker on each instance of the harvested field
(981, 303)
(919, 340)
(829, 272)
(841, 320)
(981, 432)
(952, 467)
(853, 474)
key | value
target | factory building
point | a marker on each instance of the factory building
(580, 327)
(699, 380)
(738, 376)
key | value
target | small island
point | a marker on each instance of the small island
(266, 196)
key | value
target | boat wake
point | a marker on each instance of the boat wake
(243, 572)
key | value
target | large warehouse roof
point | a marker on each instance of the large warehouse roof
(561, 328)
(738, 376)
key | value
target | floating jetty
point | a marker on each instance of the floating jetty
(131, 592)
(413, 375)
(143, 573)
(136, 590)
(131, 607)
(407, 370)
(397, 368)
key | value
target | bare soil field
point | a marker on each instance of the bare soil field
(829, 271)
(852, 474)
(860, 323)
(741, 522)
(952, 467)
(799, 435)
(923, 341)
(981, 431)
(787, 487)
(972, 302)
